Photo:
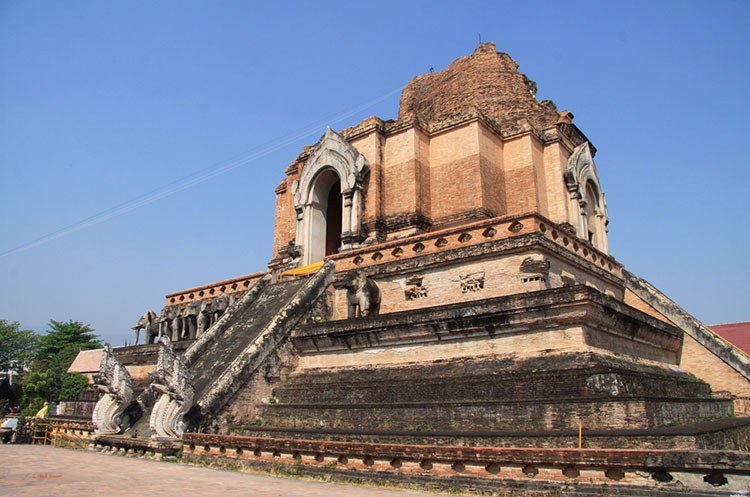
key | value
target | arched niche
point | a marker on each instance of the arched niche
(332, 162)
(325, 215)
(588, 205)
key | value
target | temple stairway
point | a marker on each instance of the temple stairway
(223, 358)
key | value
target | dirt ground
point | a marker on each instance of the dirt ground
(44, 471)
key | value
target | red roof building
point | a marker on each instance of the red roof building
(738, 334)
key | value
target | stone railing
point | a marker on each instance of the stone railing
(635, 469)
(234, 285)
(473, 234)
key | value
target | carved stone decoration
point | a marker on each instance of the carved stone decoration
(415, 288)
(189, 318)
(588, 205)
(536, 265)
(607, 383)
(170, 323)
(204, 320)
(148, 322)
(568, 228)
(332, 153)
(218, 306)
(362, 294)
(117, 385)
(471, 282)
(172, 383)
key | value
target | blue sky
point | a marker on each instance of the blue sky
(108, 110)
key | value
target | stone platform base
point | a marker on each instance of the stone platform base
(127, 444)
(500, 471)
(725, 434)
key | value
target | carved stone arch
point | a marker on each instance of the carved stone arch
(332, 154)
(588, 205)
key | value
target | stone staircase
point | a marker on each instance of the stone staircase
(188, 387)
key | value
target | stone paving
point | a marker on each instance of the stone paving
(44, 471)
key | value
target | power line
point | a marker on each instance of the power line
(195, 178)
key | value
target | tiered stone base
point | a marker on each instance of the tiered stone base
(544, 393)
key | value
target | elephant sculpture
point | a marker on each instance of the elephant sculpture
(191, 320)
(362, 295)
(169, 321)
(218, 306)
(189, 316)
(148, 322)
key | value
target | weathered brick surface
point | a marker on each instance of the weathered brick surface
(488, 81)
(697, 360)
(502, 471)
(468, 139)
(731, 434)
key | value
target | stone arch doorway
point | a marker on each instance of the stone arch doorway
(333, 219)
(587, 211)
(324, 237)
(328, 199)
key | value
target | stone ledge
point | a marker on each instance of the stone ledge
(683, 430)
(726, 460)
(491, 469)
(732, 356)
(488, 317)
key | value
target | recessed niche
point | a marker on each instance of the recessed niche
(571, 472)
(615, 474)
(489, 232)
(530, 470)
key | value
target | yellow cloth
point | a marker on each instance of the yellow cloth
(301, 271)
(42, 412)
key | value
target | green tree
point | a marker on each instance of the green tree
(55, 353)
(72, 386)
(61, 335)
(39, 386)
(17, 346)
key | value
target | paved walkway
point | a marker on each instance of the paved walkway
(43, 471)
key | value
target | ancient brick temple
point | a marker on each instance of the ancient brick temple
(441, 279)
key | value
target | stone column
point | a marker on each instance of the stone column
(356, 211)
(346, 220)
